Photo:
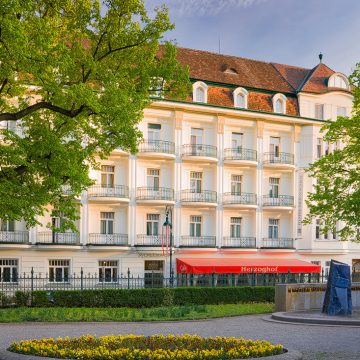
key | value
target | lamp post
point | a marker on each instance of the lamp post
(168, 225)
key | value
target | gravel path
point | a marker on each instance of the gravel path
(315, 342)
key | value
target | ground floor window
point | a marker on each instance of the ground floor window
(59, 270)
(154, 273)
(8, 270)
(108, 270)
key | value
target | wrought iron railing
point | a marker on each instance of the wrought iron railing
(198, 241)
(108, 239)
(199, 150)
(157, 146)
(208, 196)
(14, 237)
(278, 158)
(57, 238)
(240, 153)
(239, 198)
(278, 243)
(119, 191)
(148, 240)
(281, 200)
(239, 242)
(151, 193)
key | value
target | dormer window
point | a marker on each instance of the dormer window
(279, 103)
(240, 98)
(339, 80)
(200, 92)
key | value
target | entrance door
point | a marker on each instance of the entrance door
(154, 273)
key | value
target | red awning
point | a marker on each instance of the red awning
(244, 266)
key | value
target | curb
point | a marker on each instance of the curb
(7, 355)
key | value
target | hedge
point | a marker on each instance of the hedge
(139, 298)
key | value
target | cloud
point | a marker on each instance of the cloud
(196, 8)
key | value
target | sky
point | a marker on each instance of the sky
(290, 32)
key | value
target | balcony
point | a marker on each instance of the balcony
(279, 243)
(239, 242)
(107, 239)
(200, 198)
(157, 148)
(231, 199)
(155, 195)
(56, 238)
(240, 155)
(14, 237)
(198, 241)
(199, 152)
(285, 201)
(148, 240)
(109, 193)
(278, 159)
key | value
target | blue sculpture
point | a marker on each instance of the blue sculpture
(337, 299)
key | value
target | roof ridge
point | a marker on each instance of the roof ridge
(307, 78)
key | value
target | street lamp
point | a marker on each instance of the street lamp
(167, 226)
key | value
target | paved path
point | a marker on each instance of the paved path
(316, 342)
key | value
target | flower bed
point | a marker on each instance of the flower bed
(139, 347)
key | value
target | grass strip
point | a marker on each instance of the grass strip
(190, 312)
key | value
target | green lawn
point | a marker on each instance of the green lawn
(193, 312)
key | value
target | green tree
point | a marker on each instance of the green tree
(336, 193)
(75, 77)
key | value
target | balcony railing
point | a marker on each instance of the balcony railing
(240, 153)
(279, 243)
(148, 240)
(198, 241)
(199, 150)
(157, 146)
(118, 191)
(57, 238)
(239, 242)
(108, 239)
(150, 193)
(278, 158)
(281, 200)
(239, 198)
(201, 196)
(14, 237)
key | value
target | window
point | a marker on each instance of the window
(108, 270)
(319, 111)
(8, 270)
(152, 224)
(107, 176)
(59, 270)
(154, 132)
(326, 148)
(235, 227)
(196, 137)
(195, 181)
(153, 273)
(339, 81)
(237, 141)
(107, 222)
(7, 225)
(236, 184)
(200, 92)
(274, 146)
(58, 221)
(274, 187)
(273, 228)
(317, 229)
(319, 143)
(195, 225)
(153, 178)
(240, 98)
(341, 111)
(279, 103)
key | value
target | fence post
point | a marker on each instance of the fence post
(32, 284)
(128, 278)
(213, 279)
(81, 279)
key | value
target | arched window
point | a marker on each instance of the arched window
(279, 103)
(339, 80)
(200, 92)
(240, 98)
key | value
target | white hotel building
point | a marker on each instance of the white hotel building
(229, 161)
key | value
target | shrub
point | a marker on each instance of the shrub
(138, 298)
(22, 298)
(5, 300)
